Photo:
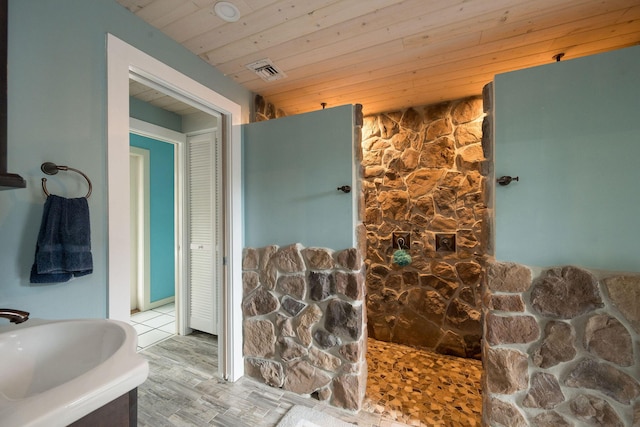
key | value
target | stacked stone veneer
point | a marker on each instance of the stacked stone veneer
(304, 321)
(424, 173)
(561, 347)
(264, 110)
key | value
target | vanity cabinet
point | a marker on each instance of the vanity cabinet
(121, 412)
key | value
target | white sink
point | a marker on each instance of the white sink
(53, 373)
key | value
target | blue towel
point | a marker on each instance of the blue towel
(64, 241)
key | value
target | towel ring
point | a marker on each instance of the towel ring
(51, 169)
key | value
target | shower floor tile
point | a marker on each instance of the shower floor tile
(421, 388)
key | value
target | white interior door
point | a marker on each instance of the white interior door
(204, 231)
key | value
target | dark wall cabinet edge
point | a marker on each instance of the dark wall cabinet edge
(8, 181)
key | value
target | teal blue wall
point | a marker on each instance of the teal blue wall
(151, 114)
(162, 217)
(57, 112)
(292, 168)
(571, 131)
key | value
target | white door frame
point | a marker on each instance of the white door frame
(140, 244)
(122, 60)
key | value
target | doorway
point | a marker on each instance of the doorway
(155, 172)
(167, 216)
(123, 61)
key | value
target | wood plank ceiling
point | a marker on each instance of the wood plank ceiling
(389, 54)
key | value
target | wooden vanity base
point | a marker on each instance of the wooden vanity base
(121, 412)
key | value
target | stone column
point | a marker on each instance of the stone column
(304, 321)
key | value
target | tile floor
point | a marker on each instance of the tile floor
(422, 388)
(155, 325)
(405, 386)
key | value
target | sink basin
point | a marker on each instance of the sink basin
(53, 373)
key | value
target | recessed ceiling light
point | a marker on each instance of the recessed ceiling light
(227, 11)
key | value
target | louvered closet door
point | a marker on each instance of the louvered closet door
(204, 262)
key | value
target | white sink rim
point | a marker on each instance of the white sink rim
(63, 404)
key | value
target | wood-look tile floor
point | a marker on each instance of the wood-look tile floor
(183, 389)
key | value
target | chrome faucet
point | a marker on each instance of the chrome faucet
(14, 316)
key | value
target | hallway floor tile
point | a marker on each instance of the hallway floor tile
(155, 325)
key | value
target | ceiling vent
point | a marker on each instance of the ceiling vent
(266, 70)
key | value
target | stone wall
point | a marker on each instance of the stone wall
(561, 347)
(304, 321)
(264, 110)
(424, 174)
